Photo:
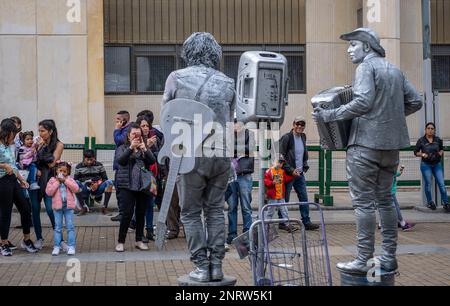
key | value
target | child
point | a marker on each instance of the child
(275, 180)
(404, 225)
(27, 157)
(401, 222)
(62, 188)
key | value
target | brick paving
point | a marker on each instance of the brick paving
(423, 259)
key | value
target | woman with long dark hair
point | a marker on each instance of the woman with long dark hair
(131, 157)
(11, 192)
(49, 151)
(431, 149)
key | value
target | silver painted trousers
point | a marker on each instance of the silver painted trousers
(370, 174)
(203, 190)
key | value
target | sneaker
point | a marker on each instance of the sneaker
(141, 246)
(5, 250)
(447, 207)
(119, 247)
(284, 227)
(64, 246)
(11, 246)
(149, 235)
(311, 227)
(39, 244)
(227, 247)
(200, 275)
(408, 227)
(172, 235)
(34, 186)
(56, 251)
(28, 246)
(431, 205)
(71, 251)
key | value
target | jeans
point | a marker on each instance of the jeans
(282, 209)
(427, 172)
(203, 190)
(100, 190)
(397, 207)
(241, 189)
(70, 227)
(36, 211)
(299, 184)
(32, 169)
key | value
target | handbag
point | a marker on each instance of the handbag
(148, 182)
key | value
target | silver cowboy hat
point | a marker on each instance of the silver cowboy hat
(366, 35)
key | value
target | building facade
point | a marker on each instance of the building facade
(82, 61)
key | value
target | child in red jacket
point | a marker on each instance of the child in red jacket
(275, 180)
(62, 189)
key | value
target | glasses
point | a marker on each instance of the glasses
(300, 124)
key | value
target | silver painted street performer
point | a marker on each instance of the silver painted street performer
(382, 98)
(203, 189)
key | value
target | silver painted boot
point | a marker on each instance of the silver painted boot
(216, 273)
(199, 275)
(356, 266)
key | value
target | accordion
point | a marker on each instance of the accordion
(333, 135)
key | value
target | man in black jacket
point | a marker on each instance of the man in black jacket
(293, 148)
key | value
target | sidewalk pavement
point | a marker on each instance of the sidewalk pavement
(423, 254)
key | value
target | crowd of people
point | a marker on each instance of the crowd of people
(32, 172)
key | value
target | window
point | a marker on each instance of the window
(231, 66)
(295, 68)
(441, 67)
(143, 69)
(117, 69)
(152, 72)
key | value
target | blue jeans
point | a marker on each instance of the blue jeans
(57, 234)
(299, 184)
(100, 190)
(427, 172)
(36, 211)
(32, 169)
(397, 208)
(241, 189)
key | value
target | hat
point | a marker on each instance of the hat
(281, 158)
(299, 119)
(368, 36)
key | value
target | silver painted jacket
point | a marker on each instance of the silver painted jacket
(218, 94)
(382, 98)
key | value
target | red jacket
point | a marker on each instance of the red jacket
(270, 186)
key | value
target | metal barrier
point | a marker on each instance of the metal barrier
(327, 168)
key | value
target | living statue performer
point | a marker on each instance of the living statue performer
(203, 189)
(382, 98)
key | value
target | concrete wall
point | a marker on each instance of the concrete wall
(52, 68)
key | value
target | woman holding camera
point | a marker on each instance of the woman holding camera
(431, 149)
(131, 157)
(49, 151)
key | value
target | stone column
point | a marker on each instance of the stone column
(327, 62)
(96, 97)
(383, 16)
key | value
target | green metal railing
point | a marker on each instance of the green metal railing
(324, 180)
